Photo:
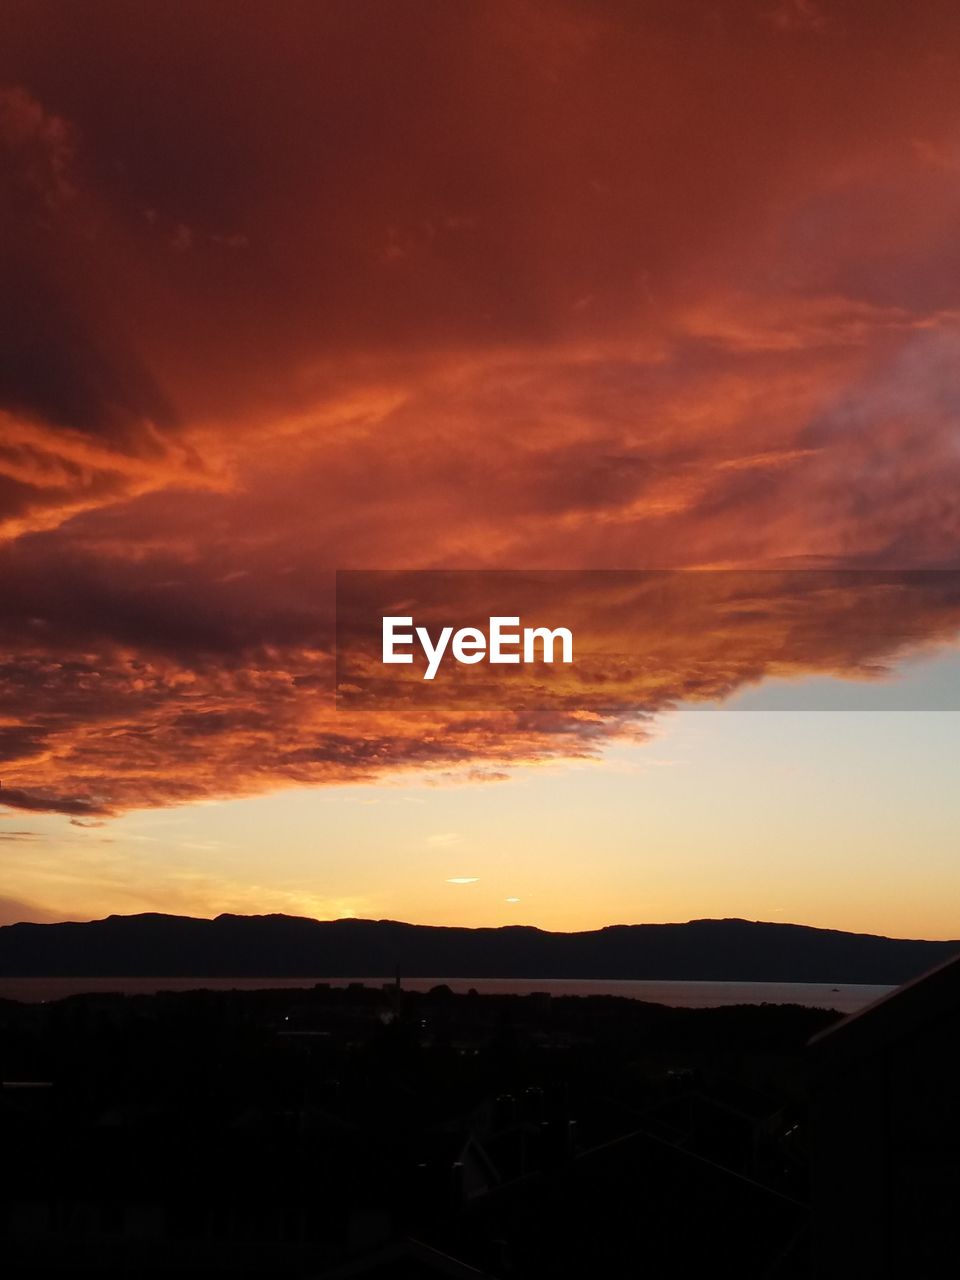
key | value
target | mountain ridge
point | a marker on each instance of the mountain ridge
(154, 944)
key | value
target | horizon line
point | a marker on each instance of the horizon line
(502, 928)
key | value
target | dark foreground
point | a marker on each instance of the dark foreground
(367, 1132)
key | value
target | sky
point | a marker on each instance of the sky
(299, 287)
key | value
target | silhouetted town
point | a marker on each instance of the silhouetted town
(370, 1131)
(280, 1132)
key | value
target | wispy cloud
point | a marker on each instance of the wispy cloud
(444, 840)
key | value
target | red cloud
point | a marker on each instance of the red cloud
(519, 286)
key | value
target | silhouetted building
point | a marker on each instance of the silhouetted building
(886, 1135)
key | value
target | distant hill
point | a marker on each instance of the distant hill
(277, 946)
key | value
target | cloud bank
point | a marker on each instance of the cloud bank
(535, 286)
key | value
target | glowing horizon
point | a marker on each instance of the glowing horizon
(541, 286)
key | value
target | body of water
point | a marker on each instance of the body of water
(688, 995)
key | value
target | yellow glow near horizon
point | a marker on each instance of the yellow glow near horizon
(813, 818)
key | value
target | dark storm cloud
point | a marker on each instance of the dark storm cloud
(304, 285)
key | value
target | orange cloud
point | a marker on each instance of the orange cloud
(527, 286)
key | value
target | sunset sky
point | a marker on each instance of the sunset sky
(296, 287)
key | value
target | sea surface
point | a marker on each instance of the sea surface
(846, 998)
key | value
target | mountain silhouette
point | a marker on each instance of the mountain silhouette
(153, 945)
